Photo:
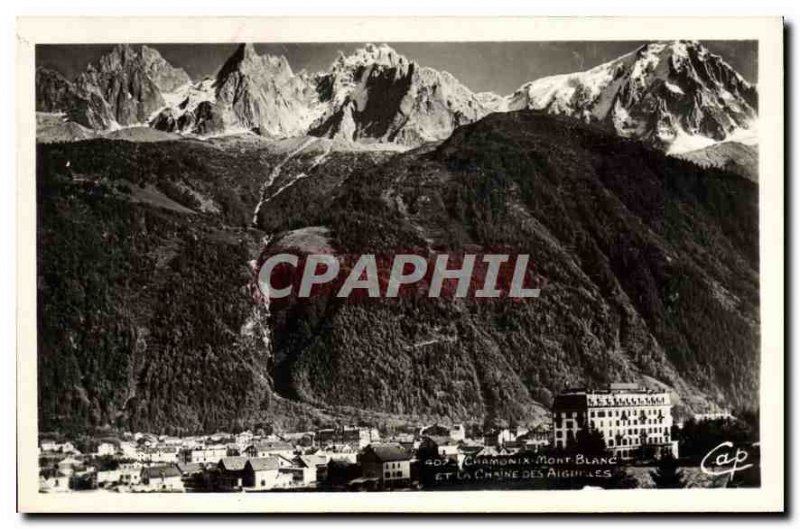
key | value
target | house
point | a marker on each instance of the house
(189, 469)
(435, 430)
(408, 441)
(262, 449)
(347, 454)
(52, 480)
(220, 438)
(495, 451)
(231, 472)
(84, 479)
(389, 463)
(458, 433)
(158, 454)
(163, 478)
(106, 448)
(310, 468)
(261, 473)
(130, 474)
(244, 439)
(534, 440)
(48, 445)
(723, 415)
(128, 449)
(499, 437)
(355, 436)
(69, 465)
(443, 447)
(203, 454)
(170, 440)
(107, 477)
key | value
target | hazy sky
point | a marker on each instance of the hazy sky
(501, 67)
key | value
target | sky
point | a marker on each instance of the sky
(500, 67)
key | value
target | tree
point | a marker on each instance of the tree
(588, 442)
(667, 474)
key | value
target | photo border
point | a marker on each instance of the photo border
(768, 31)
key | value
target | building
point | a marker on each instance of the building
(498, 437)
(434, 430)
(130, 474)
(128, 449)
(53, 480)
(715, 416)
(166, 478)
(312, 468)
(231, 472)
(244, 439)
(261, 473)
(108, 477)
(534, 439)
(357, 437)
(107, 448)
(632, 420)
(203, 454)
(49, 445)
(262, 449)
(458, 433)
(69, 465)
(159, 454)
(389, 464)
(443, 447)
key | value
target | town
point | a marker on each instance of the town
(635, 425)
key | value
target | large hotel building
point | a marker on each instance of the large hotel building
(629, 418)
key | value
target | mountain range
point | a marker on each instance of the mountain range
(676, 96)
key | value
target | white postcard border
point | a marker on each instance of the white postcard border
(769, 33)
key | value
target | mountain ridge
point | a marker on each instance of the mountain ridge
(676, 96)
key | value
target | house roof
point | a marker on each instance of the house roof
(264, 463)
(389, 452)
(233, 463)
(273, 445)
(166, 471)
(189, 468)
(440, 440)
(470, 449)
(311, 461)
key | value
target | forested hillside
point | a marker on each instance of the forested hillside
(148, 316)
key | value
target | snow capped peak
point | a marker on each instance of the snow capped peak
(370, 54)
(674, 95)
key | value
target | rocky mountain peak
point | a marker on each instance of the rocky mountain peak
(677, 96)
(132, 81)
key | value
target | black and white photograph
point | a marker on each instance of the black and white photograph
(269, 268)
